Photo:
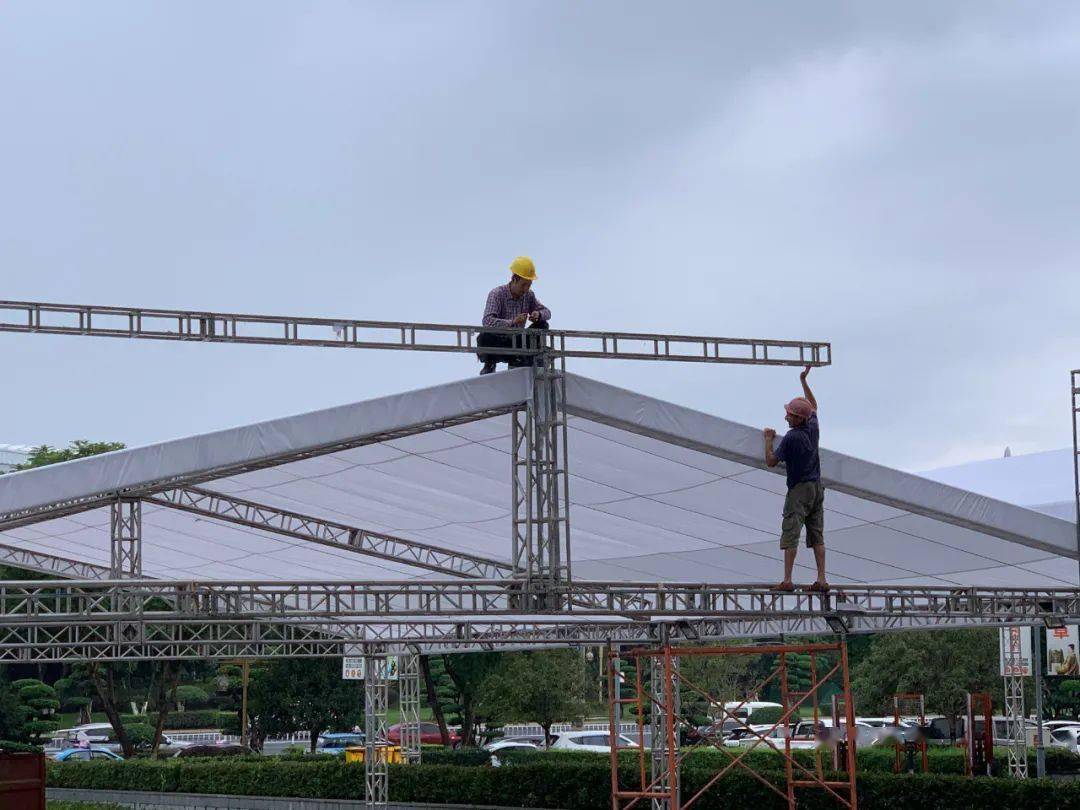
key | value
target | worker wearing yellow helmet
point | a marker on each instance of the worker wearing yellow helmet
(509, 306)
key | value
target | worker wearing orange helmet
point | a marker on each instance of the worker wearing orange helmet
(804, 505)
(508, 306)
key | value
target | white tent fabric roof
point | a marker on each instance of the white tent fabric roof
(1041, 481)
(658, 492)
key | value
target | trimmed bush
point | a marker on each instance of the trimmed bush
(560, 784)
(205, 718)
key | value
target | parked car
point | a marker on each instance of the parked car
(85, 754)
(1066, 737)
(429, 735)
(335, 742)
(102, 735)
(501, 743)
(596, 741)
(215, 750)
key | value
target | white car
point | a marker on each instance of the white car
(519, 743)
(1065, 737)
(102, 734)
(596, 741)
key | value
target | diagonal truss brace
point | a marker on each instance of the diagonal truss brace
(64, 567)
(328, 533)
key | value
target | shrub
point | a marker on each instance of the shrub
(192, 697)
(559, 783)
(205, 718)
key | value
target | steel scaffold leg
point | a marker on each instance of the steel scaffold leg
(375, 727)
(664, 724)
(125, 547)
(409, 691)
(1074, 390)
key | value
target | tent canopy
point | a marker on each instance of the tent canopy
(658, 492)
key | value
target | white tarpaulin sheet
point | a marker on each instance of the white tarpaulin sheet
(658, 492)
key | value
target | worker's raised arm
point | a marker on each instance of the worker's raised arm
(771, 459)
(806, 388)
(491, 312)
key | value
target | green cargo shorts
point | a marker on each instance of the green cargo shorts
(804, 506)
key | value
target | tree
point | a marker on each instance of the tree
(432, 696)
(460, 695)
(537, 687)
(304, 695)
(80, 448)
(37, 703)
(942, 665)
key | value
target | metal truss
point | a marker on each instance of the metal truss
(125, 546)
(409, 699)
(338, 535)
(540, 501)
(217, 327)
(1016, 725)
(95, 638)
(1074, 388)
(855, 606)
(30, 560)
(57, 509)
(376, 698)
(664, 718)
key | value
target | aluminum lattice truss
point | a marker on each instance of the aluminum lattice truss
(109, 620)
(216, 327)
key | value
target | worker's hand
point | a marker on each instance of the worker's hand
(520, 320)
(769, 433)
(805, 371)
(534, 316)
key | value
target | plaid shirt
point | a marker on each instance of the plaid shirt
(502, 307)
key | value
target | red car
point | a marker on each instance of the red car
(429, 735)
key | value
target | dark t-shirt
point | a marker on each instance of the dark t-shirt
(799, 452)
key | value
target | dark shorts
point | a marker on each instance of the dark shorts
(804, 506)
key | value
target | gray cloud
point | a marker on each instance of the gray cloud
(899, 179)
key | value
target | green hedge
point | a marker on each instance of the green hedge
(559, 784)
(944, 761)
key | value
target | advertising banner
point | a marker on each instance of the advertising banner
(352, 668)
(1015, 651)
(1061, 645)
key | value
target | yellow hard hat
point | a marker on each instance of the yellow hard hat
(523, 266)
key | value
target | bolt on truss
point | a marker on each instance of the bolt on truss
(376, 698)
(217, 327)
(207, 503)
(125, 547)
(409, 697)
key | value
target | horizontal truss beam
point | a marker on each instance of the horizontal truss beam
(215, 638)
(280, 330)
(57, 601)
(328, 533)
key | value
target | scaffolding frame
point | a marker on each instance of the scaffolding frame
(409, 697)
(913, 705)
(662, 788)
(376, 751)
(979, 745)
(1074, 390)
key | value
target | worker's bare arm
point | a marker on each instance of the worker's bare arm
(806, 388)
(770, 458)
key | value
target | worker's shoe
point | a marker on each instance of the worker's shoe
(489, 368)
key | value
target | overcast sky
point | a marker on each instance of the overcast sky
(900, 179)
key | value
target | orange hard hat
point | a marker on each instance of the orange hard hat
(801, 407)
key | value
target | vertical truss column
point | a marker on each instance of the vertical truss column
(1074, 388)
(540, 511)
(1015, 725)
(664, 724)
(376, 670)
(409, 691)
(125, 547)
